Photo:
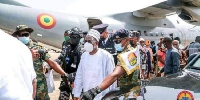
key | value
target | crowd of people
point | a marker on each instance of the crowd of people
(89, 63)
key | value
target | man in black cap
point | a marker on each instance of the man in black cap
(106, 41)
(121, 38)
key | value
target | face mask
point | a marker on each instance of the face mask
(88, 47)
(82, 40)
(67, 38)
(74, 41)
(119, 47)
(24, 40)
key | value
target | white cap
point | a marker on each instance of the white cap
(94, 33)
(141, 39)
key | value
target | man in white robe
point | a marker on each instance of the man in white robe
(17, 75)
(94, 66)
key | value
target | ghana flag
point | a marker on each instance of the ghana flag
(46, 21)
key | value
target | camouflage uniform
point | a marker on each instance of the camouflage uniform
(133, 78)
(42, 89)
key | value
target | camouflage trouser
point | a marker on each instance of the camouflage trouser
(65, 91)
(42, 89)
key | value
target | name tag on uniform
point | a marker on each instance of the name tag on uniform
(73, 65)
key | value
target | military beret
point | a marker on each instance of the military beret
(100, 28)
(121, 33)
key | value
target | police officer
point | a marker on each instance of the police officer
(122, 38)
(106, 41)
(70, 58)
(40, 55)
(67, 38)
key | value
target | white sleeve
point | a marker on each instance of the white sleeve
(110, 67)
(78, 83)
(30, 64)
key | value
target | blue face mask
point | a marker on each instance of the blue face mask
(119, 47)
(24, 40)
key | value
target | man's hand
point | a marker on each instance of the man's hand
(90, 94)
(35, 54)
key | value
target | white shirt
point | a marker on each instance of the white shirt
(16, 69)
(92, 70)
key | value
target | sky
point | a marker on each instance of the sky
(90, 8)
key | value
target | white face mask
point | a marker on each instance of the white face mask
(88, 47)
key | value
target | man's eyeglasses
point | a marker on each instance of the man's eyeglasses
(24, 34)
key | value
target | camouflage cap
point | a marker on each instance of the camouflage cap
(21, 28)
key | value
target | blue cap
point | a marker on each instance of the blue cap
(100, 28)
(121, 33)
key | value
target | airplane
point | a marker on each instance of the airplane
(153, 22)
(165, 18)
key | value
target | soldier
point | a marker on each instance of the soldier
(70, 58)
(122, 38)
(106, 41)
(40, 55)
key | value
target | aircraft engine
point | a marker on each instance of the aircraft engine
(190, 15)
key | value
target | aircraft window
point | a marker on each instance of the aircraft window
(151, 33)
(171, 35)
(139, 32)
(162, 34)
(145, 33)
(156, 33)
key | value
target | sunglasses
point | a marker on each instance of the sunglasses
(24, 34)
(74, 36)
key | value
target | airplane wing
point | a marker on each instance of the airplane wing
(12, 2)
(188, 10)
(157, 11)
